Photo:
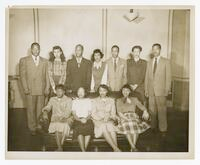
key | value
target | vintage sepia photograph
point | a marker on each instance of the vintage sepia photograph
(100, 80)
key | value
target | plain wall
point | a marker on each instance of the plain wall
(69, 27)
(153, 29)
(91, 27)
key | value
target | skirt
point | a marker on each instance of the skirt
(62, 127)
(101, 126)
(80, 128)
(133, 126)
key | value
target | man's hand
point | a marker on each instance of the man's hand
(46, 92)
(26, 92)
(167, 93)
(133, 87)
(146, 94)
(45, 115)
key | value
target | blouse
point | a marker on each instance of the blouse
(82, 107)
(61, 107)
(57, 68)
(129, 107)
(103, 108)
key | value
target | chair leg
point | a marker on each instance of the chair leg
(96, 149)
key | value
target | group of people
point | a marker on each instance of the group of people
(121, 87)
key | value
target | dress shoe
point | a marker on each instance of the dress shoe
(163, 134)
(134, 150)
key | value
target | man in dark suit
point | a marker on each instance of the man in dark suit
(136, 70)
(157, 87)
(35, 83)
(79, 71)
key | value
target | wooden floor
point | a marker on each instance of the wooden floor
(19, 138)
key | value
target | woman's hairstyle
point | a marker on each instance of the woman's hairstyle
(137, 47)
(60, 86)
(157, 44)
(104, 87)
(86, 93)
(52, 57)
(96, 51)
(127, 86)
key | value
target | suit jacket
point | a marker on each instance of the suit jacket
(160, 83)
(136, 72)
(117, 79)
(33, 78)
(78, 76)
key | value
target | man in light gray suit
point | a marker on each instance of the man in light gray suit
(117, 69)
(35, 83)
(157, 87)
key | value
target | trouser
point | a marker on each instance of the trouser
(158, 111)
(34, 108)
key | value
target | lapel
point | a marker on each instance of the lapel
(119, 64)
(33, 66)
(110, 64)
(75, 64)
(151, 67)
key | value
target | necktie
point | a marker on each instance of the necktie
(115, 64)
(155, 66)
(36, 60)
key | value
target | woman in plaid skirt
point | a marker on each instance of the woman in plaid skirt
(129, 122)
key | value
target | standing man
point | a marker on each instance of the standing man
(79, 71)
(35, 83)
(157, 87)
(117, 70)
(136, 70)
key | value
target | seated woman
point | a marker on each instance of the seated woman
(104, 115)
(61, 118)
(129, 122)
(83, 127)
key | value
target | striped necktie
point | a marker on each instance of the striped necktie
(155, 66)
(115, 64)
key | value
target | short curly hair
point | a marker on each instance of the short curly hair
(94, 52)
(137, 47)
(104, 87)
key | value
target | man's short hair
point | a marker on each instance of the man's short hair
(35, 43)
(79, 45)
(157, 44)
(115, 46)
(137, 47)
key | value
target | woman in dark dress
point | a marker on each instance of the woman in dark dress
(83, 127)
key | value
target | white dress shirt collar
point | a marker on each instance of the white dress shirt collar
(117, 59)
(79, 59)
(36, 59)
(97, 64)
(158, 59)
